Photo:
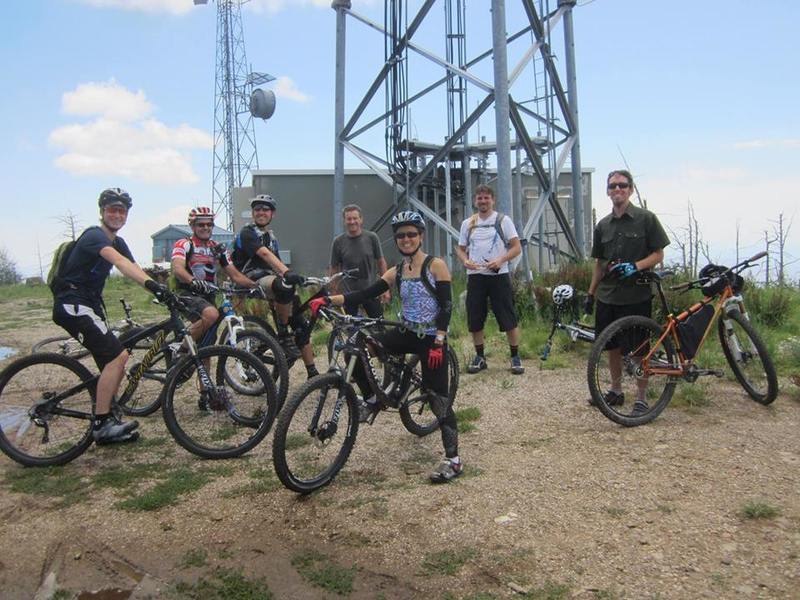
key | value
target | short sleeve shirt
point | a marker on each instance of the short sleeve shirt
(250, 239)
(485, 243)
(202, 263)
(86, 271)
(634, 235)
(361, 252)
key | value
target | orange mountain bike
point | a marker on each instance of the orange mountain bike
(635, 363)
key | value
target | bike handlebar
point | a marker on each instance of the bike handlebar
(737, 268)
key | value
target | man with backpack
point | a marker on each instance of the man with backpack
(257, 255)
(487, 242)
(194, 266)
(78, 276)
(627, 240)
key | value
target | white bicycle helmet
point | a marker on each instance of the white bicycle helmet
(264, 200)
(562, 293)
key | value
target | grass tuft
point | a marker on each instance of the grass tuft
(224, 584)
(166, 493)
(759, 510)
(447, 562)
(319, 570)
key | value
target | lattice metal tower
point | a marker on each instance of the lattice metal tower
(235, 153)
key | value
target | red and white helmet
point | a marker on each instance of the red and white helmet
(201, 212)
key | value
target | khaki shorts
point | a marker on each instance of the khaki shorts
(265, 283)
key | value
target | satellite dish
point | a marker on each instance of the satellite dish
(262, 103)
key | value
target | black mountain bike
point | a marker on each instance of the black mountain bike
(317, 428)
(47, 401)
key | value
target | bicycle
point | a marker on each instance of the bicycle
(317, 428)
(563, 296)
(69, 346)
(47, 400)
(229, 329)
(654, 357)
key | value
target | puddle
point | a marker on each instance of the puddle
(5, 352)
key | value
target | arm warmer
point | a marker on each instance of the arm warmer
(444, 296)
(373, 291)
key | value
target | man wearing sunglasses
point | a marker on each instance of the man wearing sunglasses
(487, 242)
(194, 266)
(628, 240)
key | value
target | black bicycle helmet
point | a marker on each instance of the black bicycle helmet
(408, 217)
(264, 199)
(114, 196)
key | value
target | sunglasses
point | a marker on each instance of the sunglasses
(401, 235)
(262, 208)
(204, 225)
(621, 186)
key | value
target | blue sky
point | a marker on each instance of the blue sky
(99, 93)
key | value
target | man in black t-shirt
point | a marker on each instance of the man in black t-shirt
(78, 306)
(257, 255)
(359, 249)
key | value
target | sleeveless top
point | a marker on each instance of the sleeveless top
(419, 306)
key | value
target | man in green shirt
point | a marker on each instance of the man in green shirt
(628, 240)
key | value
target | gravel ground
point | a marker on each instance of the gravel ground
(556, 502)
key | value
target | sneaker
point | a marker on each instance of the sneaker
(612, 398)
(640, 407)
(446, 471)
(478, 364)
(211, 400)
(367, 411)
(113, 431)
(516, 365)
(290, 349)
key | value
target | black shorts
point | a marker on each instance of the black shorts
(372, 306)
(605, 314)
(497, 289)
(196, 304)
(87, 325)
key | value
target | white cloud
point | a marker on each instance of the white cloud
(285, 87)
(173, 7)
(274, 6)
(759, 144)
(123, 142)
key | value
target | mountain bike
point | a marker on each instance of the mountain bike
(563, 303)
(317, 427)
(69, 346)
(229, 329)
(650, 358)
(47, 400)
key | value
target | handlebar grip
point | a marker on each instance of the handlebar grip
(681, 287)
(758, 256)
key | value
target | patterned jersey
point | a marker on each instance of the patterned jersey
(199, 257)
(420, 307)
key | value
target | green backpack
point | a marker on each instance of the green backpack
(61, 255)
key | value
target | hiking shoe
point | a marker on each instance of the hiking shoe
(446, 471)
(640, 407)
(612, 398)
(478, 364)
(213, 399)
(290, 349)
(516, 365)
(113, 431)
(367, 412)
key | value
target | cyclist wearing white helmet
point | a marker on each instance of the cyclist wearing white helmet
(256, 254)
(194, 266)
(78, 305)
(424, 284)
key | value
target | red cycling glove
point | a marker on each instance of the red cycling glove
(435, 357)
(316, 303)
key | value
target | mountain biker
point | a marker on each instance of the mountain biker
(194, 266)
(627, 240)
(426, 310)
(256, 254)
(78, 306)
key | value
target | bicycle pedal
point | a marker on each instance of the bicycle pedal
(718, 373)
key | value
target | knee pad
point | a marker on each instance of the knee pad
(283, 293)
(302, 331)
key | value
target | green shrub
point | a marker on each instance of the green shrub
(770, 306)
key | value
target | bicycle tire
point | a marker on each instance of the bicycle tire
(415, 411)
(762, 395)
(25, 382)
(218, 422)
(254, 322)
(636, 335)
(297, 447)
(269, 352)
(146, 398)
(60, 344)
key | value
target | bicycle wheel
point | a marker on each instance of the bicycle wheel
(748, 357)
(210, 418)
(315, 433)
(621, 348)
(61, 344)
(254, 322)
(36, 427)
(268, 351)
(415, 410)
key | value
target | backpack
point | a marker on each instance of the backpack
(498, 227)
(242, 263)
(423, 274)
(61, 255)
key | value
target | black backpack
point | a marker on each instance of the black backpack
(423, 275)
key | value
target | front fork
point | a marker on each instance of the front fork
(734, 303)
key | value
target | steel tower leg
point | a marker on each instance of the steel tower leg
(338, 166)
(501, 110)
